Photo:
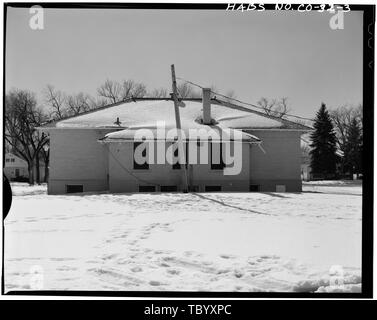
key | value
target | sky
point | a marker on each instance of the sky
(255, 54)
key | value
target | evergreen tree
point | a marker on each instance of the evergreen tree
(323, 145)
(353, 148)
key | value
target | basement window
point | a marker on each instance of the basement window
(168, 188)
(193, 188)
(147, 188)
(280, 188)
(143, 166)
(254, 188)
(213, 188)
(74, 188)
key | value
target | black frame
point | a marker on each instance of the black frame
(368, 155)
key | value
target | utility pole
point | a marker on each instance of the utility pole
(181, 153)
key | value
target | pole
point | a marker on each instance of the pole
(181, 153)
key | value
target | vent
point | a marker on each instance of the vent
(280, 188)
(168, 188)
(213, 188)
(147, 188)
(74, 188)
(254, 188)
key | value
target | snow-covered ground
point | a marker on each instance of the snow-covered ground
(298, 242)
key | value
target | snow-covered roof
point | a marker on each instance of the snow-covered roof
(191, 130)
(144, 112)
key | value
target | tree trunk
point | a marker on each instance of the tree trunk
(30, 168)
(37, 169)
(46, 170)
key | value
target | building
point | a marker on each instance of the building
(15, 167)
(96, 150)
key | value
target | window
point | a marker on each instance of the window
(177, 165)
(219, 151)
(168, 188)
(74, 188)
(147, 188)
(6, 160)
(254, 188)
(12, 160)
(145, 165)
(213, 188)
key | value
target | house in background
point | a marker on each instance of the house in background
(15, 167)
(94, 151)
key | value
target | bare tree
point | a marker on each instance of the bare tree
(342, 118)
(97, 102)
(131, 88)
(274, 107)
(186, 90)
(114, 91)
(159, 93)
(21, 119)
(78, 103)
(56, 101)
(111, 91)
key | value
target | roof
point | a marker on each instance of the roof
(144, 112)
(191, 131)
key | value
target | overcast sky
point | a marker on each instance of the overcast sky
(270, 54)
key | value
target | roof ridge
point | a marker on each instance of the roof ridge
(289, 123)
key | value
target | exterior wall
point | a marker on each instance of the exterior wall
(76, 157)
(202, 175)
(123, 178)
(280, 165)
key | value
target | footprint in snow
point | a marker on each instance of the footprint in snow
(227, 256)
(136, 269)
(173, 271)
